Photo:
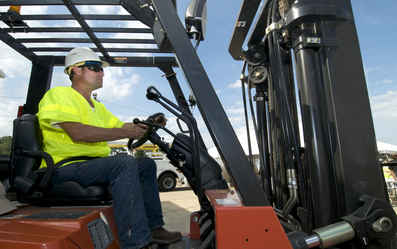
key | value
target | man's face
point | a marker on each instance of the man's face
(93, 75)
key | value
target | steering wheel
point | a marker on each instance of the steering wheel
(152, 119)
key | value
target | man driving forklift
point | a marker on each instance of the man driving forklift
(76, 129)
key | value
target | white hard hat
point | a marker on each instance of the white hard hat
(81, 54)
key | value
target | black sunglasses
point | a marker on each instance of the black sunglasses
(95, 68)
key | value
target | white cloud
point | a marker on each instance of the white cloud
(67, 23)
(384, 106)
(237, 121)
(235, 110)
(13, 88)
(116, 86)
(60, 79)
(237, 84)
(384, 112)
(239, 103)
(36, 10)
(12, 63)
(384, 81)
(98, 9)
(371, 69)
(9, 109)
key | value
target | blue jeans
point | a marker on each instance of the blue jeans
(136, 201)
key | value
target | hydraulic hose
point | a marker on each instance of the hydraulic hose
(282, 148)
(294, 135)
(281, 101)
(266, 179)
(245, 111)
(293, 192)
(273, 101)
(287, 110)
(289, 218)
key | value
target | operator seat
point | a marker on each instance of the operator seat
(33, 187)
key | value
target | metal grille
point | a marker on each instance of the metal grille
(103, 25)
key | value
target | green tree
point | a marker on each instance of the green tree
(5, 145)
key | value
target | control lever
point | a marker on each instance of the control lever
(137, 121)
(154, 94)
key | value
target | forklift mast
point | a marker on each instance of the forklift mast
(338, 160)
(304, 55)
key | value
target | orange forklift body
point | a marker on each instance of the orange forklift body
(68, 227)
(238, 226)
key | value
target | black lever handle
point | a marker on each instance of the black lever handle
(153, 94)
(137, 121)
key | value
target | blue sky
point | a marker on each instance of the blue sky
(124, 89)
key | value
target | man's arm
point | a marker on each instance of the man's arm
(79, 132)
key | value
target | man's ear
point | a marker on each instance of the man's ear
(77, 70)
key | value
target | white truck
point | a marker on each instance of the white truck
(167, 174)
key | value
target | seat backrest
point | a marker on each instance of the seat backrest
(26, 155)
(27, 136)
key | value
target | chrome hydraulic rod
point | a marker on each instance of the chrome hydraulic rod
(331, 235)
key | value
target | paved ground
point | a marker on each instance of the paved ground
(179, 204)
(177, 207)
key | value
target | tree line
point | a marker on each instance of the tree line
(5, 145)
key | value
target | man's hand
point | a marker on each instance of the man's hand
(134, 131)
(159, 120)
(163, 122)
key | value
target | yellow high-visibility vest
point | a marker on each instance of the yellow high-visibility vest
(64, 104)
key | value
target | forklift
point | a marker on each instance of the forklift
(328, 192)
